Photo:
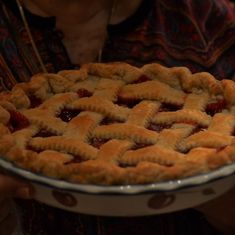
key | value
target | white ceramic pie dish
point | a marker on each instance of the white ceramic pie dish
(129, 200)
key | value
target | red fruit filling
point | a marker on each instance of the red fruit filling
(84, 93)
(97, 142)
(216, 107)
(142, 78)
(184, 151)
(44, 133)
(17, 121)
(158, 127)
(34, 101)
(127, 102)
(165, 107)
(122, 165)
(108, 121)
(233, 132)
(140, 146)
(67, 114)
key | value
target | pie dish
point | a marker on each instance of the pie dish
(127, 200)
(115, 124)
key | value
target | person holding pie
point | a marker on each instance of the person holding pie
(41, 36)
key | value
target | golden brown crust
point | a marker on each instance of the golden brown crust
(117, 124)
(196, 101)
(74, 75)
(143, 112)
(126, 132)
(183, 116)
(63, 144)
(170, 76)
(117, 70)
(82, 126)
(229, 91)
(4, 116)
(153, 90)
(102, 106)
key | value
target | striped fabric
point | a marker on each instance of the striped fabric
(196, 34)
(18, 61)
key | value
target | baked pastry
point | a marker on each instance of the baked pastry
(115, 124)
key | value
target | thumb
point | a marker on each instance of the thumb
(12, 187)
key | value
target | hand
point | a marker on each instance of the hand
(9, 188)
(220, 212)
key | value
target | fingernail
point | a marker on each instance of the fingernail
(23, 193)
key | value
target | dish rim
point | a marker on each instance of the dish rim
(166, 186)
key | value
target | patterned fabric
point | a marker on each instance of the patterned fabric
(192, 33)
(18, 61)
(178, 33)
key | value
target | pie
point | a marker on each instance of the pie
(115, 124)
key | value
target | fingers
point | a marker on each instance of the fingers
(11, 187)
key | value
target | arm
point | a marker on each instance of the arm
(9, 188)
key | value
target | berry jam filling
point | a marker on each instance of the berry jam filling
(141, 79)
(186, 151)
(108, 121)
(44, 133)
(97, 142)
(17, 121)
(216, 107)
(84, 93)
(67, 114)
(165, 107)
(123, 165)
(158, 127)
(233, 132)
(140, 146)
(34, 101)
(130, 103)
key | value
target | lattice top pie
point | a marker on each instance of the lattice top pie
(117, 124)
